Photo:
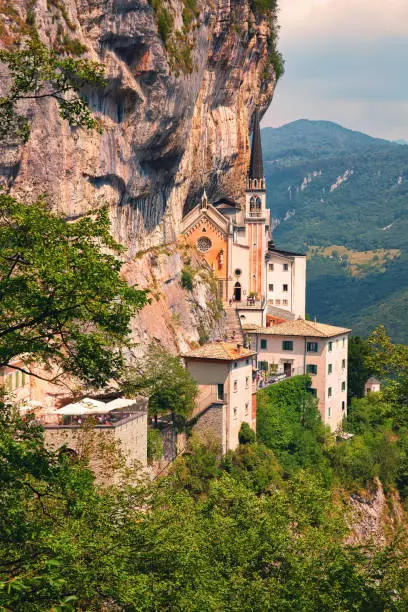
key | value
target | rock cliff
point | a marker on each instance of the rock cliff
(183, 79)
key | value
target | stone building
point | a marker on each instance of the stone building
(305, 347)
(224, 373)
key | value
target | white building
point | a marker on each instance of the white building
(304, 347)
(227, 397)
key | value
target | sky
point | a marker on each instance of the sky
(346, 61)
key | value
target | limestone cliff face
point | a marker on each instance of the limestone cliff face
(167, 134)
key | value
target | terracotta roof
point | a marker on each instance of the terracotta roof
(373, 380)
(221, 351)
(300, 327)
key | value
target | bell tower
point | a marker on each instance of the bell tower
(257, 217)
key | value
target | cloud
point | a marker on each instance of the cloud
(346, 61)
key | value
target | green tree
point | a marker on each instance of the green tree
(358, 370)
(170, 387)
(37, 72)
(63, 302)
(246, 435)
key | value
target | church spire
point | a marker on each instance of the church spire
(256, 163)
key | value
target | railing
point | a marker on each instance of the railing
(107, 421)
(251, 303)
(272, 379)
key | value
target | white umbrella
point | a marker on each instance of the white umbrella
(74, 409)
(120, 402)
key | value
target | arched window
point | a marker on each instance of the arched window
(237, 292)
(252, 203)
(258, 203)
(255, 183)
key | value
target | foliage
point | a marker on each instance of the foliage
(63, 302)
(289, 423)
(154, 445)
(358, 371)
(246, 435)
(170, 387)
(187, 278)
(37, 72)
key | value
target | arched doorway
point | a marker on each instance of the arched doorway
(237, 292)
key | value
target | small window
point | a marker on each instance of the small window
(329, 412)
(285, 288)
(343, 386)
(246, 408)
(270, 267)
(23, 378)
(286, 267)
(285, 302)
(264, 344)
(344, 342)
(312, 347)
(235, 385)
(263, 365)
(311, 368)
(220, 391)
(247, 361)
(329, 392)
(270, 287)
(235, 364)
(330, 368)
(343, 364)
(313, 391)
(287, 345)
(238, 272)
(247, 382)
(343, 405)
(235, 413)
(277, 302)
(330, 346)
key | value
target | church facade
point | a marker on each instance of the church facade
(236, 241)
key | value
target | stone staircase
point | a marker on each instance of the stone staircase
(232, 326)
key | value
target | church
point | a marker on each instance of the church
(236, 241)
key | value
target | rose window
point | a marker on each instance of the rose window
(204, 244)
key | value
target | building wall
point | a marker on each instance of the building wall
(17, 384)
(211, 426)
(131, 435)
(294, 299)
(332, 409)
(240, 261)
(237, 379)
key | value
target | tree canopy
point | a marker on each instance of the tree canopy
(37, 72)
(63, 302)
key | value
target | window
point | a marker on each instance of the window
(235, 413)
(277, 302)
(270, 287)
(313, 391)
(246, 407)
(285, 287)
(204, 244)
(238, 272)
(220, 391)
(235, 385)
(329, 412)
(286, 267)
(343, 386)
(285, 302)
(329, 392)
(247, 382)
(263, 365)
(247, 361)
(330, 368)
(312, 347)
(311, 368)
(23, 378)
(343, 405)
(17, 383)
(264, 344)
(343, 364)
(287, 345)
(344, 342)
(270, 266)
(330, 346)
(235, 364)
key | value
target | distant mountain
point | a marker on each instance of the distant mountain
(328, 185)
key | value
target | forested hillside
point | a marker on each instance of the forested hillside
(329, 186)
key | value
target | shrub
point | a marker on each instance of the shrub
(154, 445)
(187, 278)
(246, 435)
